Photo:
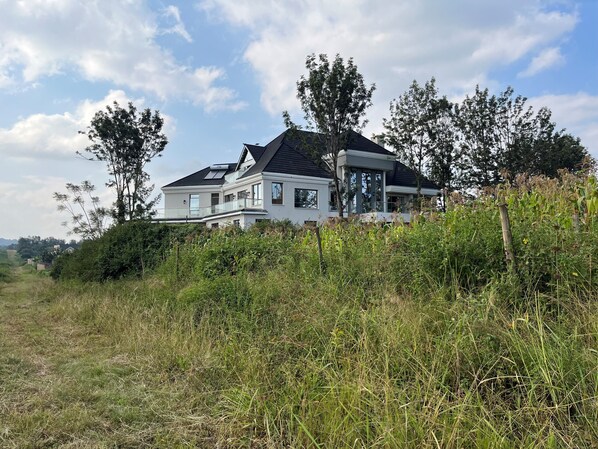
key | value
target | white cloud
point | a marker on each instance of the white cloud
(547, 58)
(578, 113)
(38, 154)
(392, 42)
(107, 40)
(173, 12)
(55, 136)
(28, 208)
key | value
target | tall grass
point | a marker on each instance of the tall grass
(413, 337)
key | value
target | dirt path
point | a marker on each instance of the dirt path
(62, 385)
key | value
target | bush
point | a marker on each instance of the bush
(126, 250)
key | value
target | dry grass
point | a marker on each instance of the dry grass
(66, 384)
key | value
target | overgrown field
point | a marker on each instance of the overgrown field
(404, 337)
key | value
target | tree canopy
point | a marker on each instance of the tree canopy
(479, 141)
(126, 141)
(334, 98)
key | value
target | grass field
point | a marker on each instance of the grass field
(401, 337)
(116, 365)
(67, 384)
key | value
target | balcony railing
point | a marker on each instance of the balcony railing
(202, 212)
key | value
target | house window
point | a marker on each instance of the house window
(365, 191)
(310, 223)
(193, 204)
(242, 194)
(228, 198)
(214, 225)
(237, 223)
(215, 201)
(306, 198)
(277, 193)
(256, 194)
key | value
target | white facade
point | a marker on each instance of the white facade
(232, 198)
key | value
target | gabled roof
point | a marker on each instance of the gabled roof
(402, 175)
(255, 150)
(297, 152)
(288, 154)
(198, 178)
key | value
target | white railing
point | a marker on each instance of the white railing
(201, 212)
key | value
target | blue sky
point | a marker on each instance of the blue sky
(222, 71)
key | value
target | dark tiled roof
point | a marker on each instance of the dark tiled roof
(404, 176)
(359, 143)
(256, 151)
(197, 178)
(298, 152)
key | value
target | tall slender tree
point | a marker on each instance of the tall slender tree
(443, 154)
(334, 98)
(126, 141)
(476, 121)
(410, 128)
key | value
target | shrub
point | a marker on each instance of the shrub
(126, 250)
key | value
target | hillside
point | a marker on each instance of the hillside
(400, 337)
(7, 242)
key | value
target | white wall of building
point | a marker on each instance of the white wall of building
(287, 209)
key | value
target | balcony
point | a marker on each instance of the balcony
(199, 213)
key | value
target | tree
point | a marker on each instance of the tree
(555, 150)
(420, 131)
(443, 167)
(476, 121)
(514, 133)
(126, 141)
(88, 218)
(500, 136)
(334, 98)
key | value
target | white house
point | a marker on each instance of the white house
(287, 179)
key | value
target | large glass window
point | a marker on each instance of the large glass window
(215, 199)
(365, 191)
(193, 204)
(256, 193)
(306, 198)
(277, 193)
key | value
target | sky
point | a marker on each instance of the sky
(222, 71)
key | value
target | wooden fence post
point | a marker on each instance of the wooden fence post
(176, 264)
(507, 237)
(320, 254)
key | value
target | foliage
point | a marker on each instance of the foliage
(5, 265)
(334, 98)
(419, 130)
(125, 250)
(126, 141)
(88, 223)
(482, 141)
(45, 250)
(415, 336)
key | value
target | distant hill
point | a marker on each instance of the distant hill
(7, 242)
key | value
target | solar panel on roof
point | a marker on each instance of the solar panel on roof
(215, 174)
